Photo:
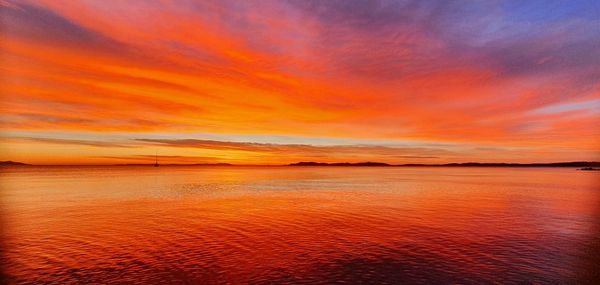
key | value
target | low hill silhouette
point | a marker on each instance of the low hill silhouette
(465, 164)
(311, 163)
(12, 163)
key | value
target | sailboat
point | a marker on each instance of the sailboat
(156, 161)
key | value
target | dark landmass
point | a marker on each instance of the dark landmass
(310, 163)
(553, 164)
(584, 164)
(589, 169)
(12, 163)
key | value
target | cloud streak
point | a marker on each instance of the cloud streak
(301, 149)
(75, 142)
(402, 71)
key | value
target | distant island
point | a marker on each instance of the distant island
(311, 163)
(589, 169)
(583, 164)
(12, 163)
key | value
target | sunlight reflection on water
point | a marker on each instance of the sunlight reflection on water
(295, 224)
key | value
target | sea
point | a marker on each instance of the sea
(297, 225)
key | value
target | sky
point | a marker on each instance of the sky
(276, 82)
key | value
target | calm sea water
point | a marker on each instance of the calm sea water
(296, 225)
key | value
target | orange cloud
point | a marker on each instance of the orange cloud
(402, 72)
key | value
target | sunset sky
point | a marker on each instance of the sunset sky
(274, 82)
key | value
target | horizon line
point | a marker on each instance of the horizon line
(342, 164)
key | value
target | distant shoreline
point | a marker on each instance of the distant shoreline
(343, 164)
(465, 164)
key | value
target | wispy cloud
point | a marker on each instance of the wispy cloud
(163, 158)
(303, 149)
(435, 71)
(74, 142)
